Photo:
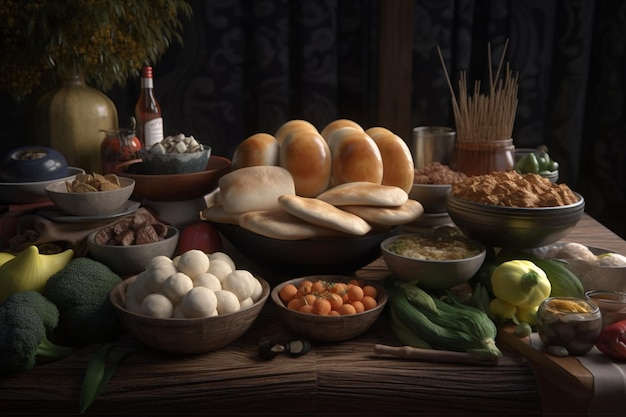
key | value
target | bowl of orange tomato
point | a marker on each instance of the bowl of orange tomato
(329, 308)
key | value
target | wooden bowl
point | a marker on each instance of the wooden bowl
(188, 336)
(328, 328)
(174, 187)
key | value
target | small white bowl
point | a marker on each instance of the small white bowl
(33, 191)
(96, 203)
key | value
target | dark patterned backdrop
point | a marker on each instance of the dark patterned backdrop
(248, 66)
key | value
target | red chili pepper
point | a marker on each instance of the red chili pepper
(612, 340)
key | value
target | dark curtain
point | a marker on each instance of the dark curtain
(249, 66)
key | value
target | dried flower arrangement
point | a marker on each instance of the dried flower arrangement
(108, 41)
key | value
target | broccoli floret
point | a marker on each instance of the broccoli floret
(81, 293)
(23, 339)
(44, 307)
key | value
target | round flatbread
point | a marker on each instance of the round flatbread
(364, 193)
(388, 216)
(280, 224)
(321, 213)
(217, 214)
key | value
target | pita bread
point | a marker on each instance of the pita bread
(364, 193)
(280, 224)
(388, 216)
(217, 214)
(320, 213)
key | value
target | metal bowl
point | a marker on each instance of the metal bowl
(514, 227)
(436, 274)
(432, 196)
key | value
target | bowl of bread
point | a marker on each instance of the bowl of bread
(315, 205)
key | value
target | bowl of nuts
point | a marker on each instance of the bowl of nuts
(177, 154)
(431, 185)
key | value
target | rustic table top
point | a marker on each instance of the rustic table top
(333, 379)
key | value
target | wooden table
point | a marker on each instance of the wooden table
(333, 379)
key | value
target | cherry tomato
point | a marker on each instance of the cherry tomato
(201, 235)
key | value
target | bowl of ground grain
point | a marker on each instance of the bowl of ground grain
(437, 260)
(510, 210)
(431, 185)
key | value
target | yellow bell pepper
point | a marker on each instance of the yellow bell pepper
(520, 283)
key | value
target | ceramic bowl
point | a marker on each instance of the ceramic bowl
(327, 328)
(593, 276)
(432, 196)
(33, 164)
(306, 257)
(95, 203)
(175, 163)
(514, 227)
(132, 259)
(432, 273)
(187, 336)
(33, 191)
(174, 187)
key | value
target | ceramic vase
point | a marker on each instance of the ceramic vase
(72, 119)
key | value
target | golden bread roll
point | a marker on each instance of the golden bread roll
(305, 154)
(355, 157)
(398, 166)
(256, 150)
(335, 125)
(378, 131)
(364, 193)
(292, 126)
(322, 214)
(388, 216)
(254, 188)
(280, 224)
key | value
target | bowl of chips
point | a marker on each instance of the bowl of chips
(91, 194)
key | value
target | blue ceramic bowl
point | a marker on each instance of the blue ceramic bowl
(33, 163)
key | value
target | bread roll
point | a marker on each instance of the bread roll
(292, 126)
(256, 150)
(355, 157)
(322, 214)
(398, 166)
(364, 193)
(305, 154)
(335, 125)
(254, 188)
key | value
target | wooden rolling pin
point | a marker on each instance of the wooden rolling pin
(434, 355)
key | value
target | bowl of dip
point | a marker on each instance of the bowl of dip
(436, 260)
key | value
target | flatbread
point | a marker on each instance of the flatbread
(364, 193)
(217, 214)
(388, 216)
(320, 213)
(280, 224)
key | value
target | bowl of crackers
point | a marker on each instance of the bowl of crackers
(507, 209)
(91, 194)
